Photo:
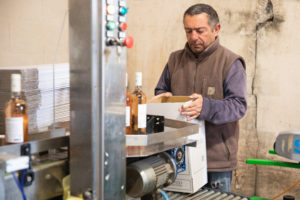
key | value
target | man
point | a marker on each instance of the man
(215, 79)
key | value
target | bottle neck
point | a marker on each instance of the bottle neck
(15, 95)
(138, 87)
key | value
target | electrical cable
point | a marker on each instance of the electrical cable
(19, 186)
(16, 180)
(287, 189)
(164, 194)
(23, 177)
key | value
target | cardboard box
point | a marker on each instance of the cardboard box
(189, 183)
(195, 159)
(195, 175)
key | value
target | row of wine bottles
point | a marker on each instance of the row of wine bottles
(136, 108)
(16, 113)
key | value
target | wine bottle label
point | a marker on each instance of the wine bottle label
(142, 112)
(127, 116)
(14, 129)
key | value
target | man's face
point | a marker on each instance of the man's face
(198, 32)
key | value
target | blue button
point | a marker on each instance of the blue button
(123, 10)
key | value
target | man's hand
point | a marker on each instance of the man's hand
(192, 109)
(165, 94)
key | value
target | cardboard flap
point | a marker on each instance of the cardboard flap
(172, 99)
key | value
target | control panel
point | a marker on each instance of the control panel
(116, 25)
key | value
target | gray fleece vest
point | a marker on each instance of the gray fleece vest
(204, 75)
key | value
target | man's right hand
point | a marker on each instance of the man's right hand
(194, 108)
(165, 94)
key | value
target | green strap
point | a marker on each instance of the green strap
(257, 198)
(272, 151)
(272, 163)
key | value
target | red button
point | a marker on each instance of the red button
(123, 26)
(128, 42)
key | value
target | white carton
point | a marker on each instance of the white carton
(195, 175)
(189, 183)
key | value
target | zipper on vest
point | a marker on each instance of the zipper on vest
(226, 147)
(195, 76)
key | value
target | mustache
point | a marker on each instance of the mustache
(196, 42)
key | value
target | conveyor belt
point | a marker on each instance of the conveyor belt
(205, 194)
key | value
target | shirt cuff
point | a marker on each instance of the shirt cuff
(205, 109)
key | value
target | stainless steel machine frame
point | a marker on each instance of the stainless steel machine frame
(97, 142)
(48, 173)
(97, 98)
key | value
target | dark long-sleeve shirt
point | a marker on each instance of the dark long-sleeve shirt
(234, 105)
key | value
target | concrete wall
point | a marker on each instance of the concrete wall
(29, 32)
(264, 32)
(277, 90)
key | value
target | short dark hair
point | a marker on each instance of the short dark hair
(213, 18)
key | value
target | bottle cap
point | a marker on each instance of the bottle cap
(16, 82)
(138, 78)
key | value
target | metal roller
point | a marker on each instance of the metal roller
(212, 197)
(197, 194)
(204, 196)
(230, 197)
(222, 196)
(236, 198)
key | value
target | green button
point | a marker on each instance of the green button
(111, 25)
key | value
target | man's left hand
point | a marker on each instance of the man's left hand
(192, 109)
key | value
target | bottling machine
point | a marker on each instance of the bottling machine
(98, 44)
(93, 151)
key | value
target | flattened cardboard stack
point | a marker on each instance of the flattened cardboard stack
(38, 92)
